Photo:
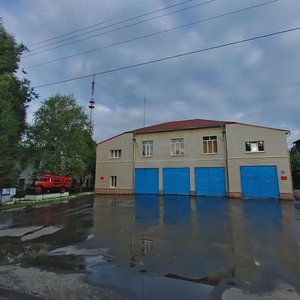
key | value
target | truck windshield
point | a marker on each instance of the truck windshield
(44, 179)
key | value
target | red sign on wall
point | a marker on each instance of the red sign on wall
(283, 178)
(102, 178)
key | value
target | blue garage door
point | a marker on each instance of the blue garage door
(146, 181)
(176, 181)
(210, 182)
(259, 182)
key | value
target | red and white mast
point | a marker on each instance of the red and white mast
(92, 106)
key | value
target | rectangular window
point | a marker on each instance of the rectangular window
(115, 153)
(258, 146)
(147, 148)
(113, 181)
(177, 146)
(210, 144)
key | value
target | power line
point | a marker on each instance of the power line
(113, 30)
(153, 34)
(172, 57)
(121, 22)
(103, 22)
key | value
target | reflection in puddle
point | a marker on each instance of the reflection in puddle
(212, 279)
(280, 291)
(73, 250)
(141, 285)
(200, 241)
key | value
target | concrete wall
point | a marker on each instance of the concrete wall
(275, 153)
(121, 167)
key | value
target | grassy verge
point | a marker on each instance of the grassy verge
(24, 203)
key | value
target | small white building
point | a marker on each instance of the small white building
(26, 177)
(196, 157)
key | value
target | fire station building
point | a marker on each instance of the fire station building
(196, 157)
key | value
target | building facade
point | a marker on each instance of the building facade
(196, 157)
(26, 177)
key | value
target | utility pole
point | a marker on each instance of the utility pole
(144, 121)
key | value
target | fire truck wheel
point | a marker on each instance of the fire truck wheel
(39, 189)
(62, 189)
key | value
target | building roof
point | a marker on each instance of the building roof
(180, 125)
(184, 125)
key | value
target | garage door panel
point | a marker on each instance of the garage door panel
(176, 181)
(259, 181)
(147, 181)
(210, 182)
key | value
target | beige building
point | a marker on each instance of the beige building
(196, 157)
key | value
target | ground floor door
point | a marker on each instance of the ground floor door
(176, 181)
(147, 181)
(259, 182)
(210, 182)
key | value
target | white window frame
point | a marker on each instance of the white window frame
(113, 181)
(177, 147)
(147, 149)
(210, 144)
(255, 146)
(115, 153)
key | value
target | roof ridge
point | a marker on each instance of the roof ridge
(188, 123)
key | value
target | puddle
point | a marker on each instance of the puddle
(151, 247)
(73, 250)
(140, 285)
(281, 291)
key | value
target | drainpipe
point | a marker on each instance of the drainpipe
(133, 162)
(226, 157)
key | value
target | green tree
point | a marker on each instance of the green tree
(295, 166)
(59, 139)
(295, 159)
(15, 94)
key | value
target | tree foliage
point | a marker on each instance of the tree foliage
(295, 159)
(295, 166)
(59, 138)
(15, 94)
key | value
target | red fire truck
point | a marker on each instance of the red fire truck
(52, 182)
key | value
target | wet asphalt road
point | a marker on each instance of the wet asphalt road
(150, 247)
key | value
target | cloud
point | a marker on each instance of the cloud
(254, 56)
(254, 82)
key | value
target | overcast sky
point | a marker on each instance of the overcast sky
(253, 82)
